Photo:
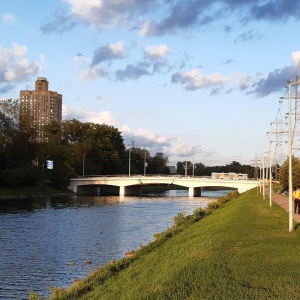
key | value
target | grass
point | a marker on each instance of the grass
(241, 250)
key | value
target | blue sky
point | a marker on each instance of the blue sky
(195, 79)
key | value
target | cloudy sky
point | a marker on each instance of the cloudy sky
(196, 79)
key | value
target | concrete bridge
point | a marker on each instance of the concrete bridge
(131, 185)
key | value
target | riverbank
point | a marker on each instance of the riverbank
(242, 250)
(31, 191)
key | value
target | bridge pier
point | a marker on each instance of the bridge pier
(195, 191)
(73, 188)
(129, 190)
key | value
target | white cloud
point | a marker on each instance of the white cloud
(125, 129)
(8, 18)
(117, 49)
(150, 136)
(15, 65)
(84, 8)
(157, 51)
(92, 73)
(153, 142)
(103, 14)
(178, 148)
(147, 28)
(296, 58)
(102, 117)
(194, 79)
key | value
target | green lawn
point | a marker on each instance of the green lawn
(243, 250)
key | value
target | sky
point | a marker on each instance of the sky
(198, 80)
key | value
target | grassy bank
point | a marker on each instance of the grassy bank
(242, 250)
(30, 191)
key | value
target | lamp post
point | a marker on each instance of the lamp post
(290, 150)
(186, 162)
(270, 168)
(193, 162)
(263, 175)
(129, 162)
(83, 163)
(145, 163)
(270, 177)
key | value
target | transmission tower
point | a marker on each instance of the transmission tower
(278, 138)
(256, 174)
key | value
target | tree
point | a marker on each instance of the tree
(158, 164)
(17, 147)
(94, 149)
(283, 173)
(180, 167)
(199, 169)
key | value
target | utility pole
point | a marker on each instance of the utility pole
(295, 110)
(193, 162)
(186, 162)
(145, 162)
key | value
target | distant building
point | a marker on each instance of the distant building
(172, 169)
(41, 105)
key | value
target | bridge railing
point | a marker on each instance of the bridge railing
(174, 176)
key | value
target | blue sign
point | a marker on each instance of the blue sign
(49, 164)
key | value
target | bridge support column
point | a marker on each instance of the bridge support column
(195, 192)
(129, 190)
(73, 188)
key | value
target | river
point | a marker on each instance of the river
(45, 243)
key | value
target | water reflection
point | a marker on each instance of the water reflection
(45, 242)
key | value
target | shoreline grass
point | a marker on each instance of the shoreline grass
(31, 191)
(242, 250)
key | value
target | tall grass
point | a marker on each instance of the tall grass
(243, 250)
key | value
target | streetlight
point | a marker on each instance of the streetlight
(263, 175)
(289, 83)
(186, 162)
(270, 177)
(83, 162)
(145, 162)
(129, 162)
(193, 162)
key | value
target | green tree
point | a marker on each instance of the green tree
(94, 149)
(283, 173)
(180, 167)
(158, 164)
(200, 169)
(18, 147)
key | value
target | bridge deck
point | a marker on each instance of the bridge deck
(131, 184)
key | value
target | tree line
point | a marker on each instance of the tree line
(82, 149)
(199, 169)
(75, 148)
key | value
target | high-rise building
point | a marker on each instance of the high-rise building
(41, 106)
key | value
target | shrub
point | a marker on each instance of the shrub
(198, 214)
(26, 175)
(179, 220)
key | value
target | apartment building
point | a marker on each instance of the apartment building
(41, 105)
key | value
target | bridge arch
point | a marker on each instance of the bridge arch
(131, 185)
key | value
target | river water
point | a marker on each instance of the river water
(45, 243)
